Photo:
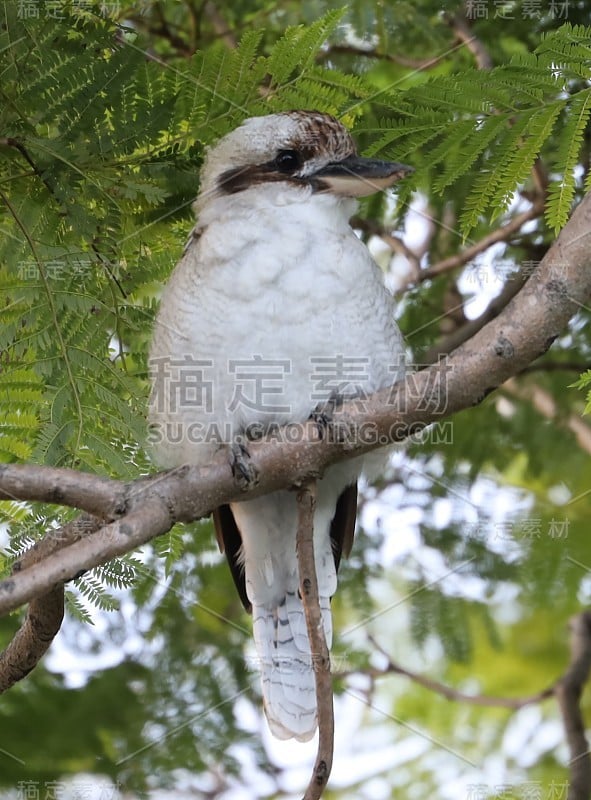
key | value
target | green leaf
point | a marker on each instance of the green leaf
(562, 190)
(523, 151)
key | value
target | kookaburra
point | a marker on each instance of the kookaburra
(275, 308)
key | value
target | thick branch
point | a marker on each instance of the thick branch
(104, 497)
(318, 647)
(45, 614)
(460, 27)
(31, 641)
(71, 560)
(568, 695)
(522, 332)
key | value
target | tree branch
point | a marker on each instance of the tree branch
(522, 332)
(458, 24)
(31, 641)
(45, 614)
(164, 29)
(557, 366)
(393, 668)
(306, 499)
(567, 690)
(395, 243)
(104, 497)
(568, 694)
(70, 560)
(394, 58)
(545, 404)
(10, 141)
(220, 26)
(472, 326)
(501, 234)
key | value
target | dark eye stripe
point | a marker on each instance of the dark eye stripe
(240, 178)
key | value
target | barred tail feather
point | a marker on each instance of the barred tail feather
(287, 666)
(267, 563)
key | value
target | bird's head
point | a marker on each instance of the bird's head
(303, 149)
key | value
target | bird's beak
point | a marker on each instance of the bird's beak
(356, 176)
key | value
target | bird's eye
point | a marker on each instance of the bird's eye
(288, 160)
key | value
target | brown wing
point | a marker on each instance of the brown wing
(342, 530)
(342, 527)
(230, 541)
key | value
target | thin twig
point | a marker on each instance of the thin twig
(395, 243)
(165, 29)
(194, 23)
(181, 47)
(540, 178)
(10, 141)
(501, 234)
(568, 694)
(556, 366)
(472, 326)
(545, 404)
(394, 58)
(306, 499)
(393, 668)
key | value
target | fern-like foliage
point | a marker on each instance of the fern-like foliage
(494, 124)
(101, 148)
(584, 383)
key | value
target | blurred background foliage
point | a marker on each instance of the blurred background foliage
(471, 554)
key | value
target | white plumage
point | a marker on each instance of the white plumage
(273, 296)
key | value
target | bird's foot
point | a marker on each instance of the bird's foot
(323, 414)
(244, 471)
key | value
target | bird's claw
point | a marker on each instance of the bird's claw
(323, 414)
(245, 473)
